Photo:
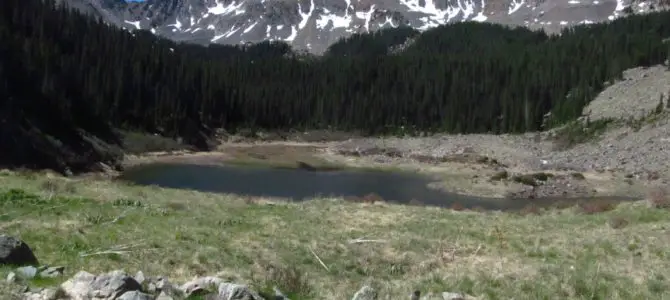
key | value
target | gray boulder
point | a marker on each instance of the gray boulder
(447, 296)
(51, 272)
(44, 294)
(366, 293)
(15, 252)
(135, 295)
(232, 291)
(217, 289)
(112, 285)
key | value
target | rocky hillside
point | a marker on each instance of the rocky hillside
(623, 136)
(313, 25)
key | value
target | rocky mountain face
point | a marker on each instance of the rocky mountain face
(313, 25)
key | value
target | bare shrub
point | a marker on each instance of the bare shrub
(659, 198)
(618, 222)
(577, 175)
(369, 198)
(530, 209)
(50, 185)
(498, 176)
(372, 198)
(478, 209)
(416, 202)
(288, 279)
(597, 206)
(457, 206)
(70, 188)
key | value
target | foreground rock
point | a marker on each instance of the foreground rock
(111, 285)
(223, 290)
(118, 285)
(15, 252)
(366, 293)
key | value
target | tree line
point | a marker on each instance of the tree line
(68, 81)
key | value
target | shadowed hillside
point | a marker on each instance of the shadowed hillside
(68, 82)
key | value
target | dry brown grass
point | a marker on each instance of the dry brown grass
(618, 222)
(659, 198)
(597, 206)
(457, 206)
(530, 209)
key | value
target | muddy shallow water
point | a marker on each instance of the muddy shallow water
(300, 184)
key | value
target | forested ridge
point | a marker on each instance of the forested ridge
(68, 81)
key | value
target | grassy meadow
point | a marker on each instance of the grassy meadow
(329, 248)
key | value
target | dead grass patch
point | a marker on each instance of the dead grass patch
(597, 206)
(618, 222)
(659, 198)
(530, 209)
(457, 206)
(370, 198)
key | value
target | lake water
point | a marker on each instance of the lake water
(300, 184)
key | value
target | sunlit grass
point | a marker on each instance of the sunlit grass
(99, 226)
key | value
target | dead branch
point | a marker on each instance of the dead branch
(363, 240)
(119, 252)
(118, 249)
(319, 259)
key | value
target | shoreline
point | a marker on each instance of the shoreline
(467, 173)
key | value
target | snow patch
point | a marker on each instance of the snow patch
(468, 10)
(304, 18)
(177, 25)
(291, 37)
(367, 16)
(389, 21)
(221, 9)
(250, 27)
(480, 17)
(337, 21)
(619, 6)
(435, 16)
(515, 6)
(227, 34)
(135, 23)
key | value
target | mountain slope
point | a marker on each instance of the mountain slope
(313, 25)
(67, 82)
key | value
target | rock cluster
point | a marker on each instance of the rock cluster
(119, 285)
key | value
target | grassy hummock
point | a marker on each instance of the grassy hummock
(329, 248)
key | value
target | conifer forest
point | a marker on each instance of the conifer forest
(68, 81)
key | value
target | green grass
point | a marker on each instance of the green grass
(578, 132)
(99, 226)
